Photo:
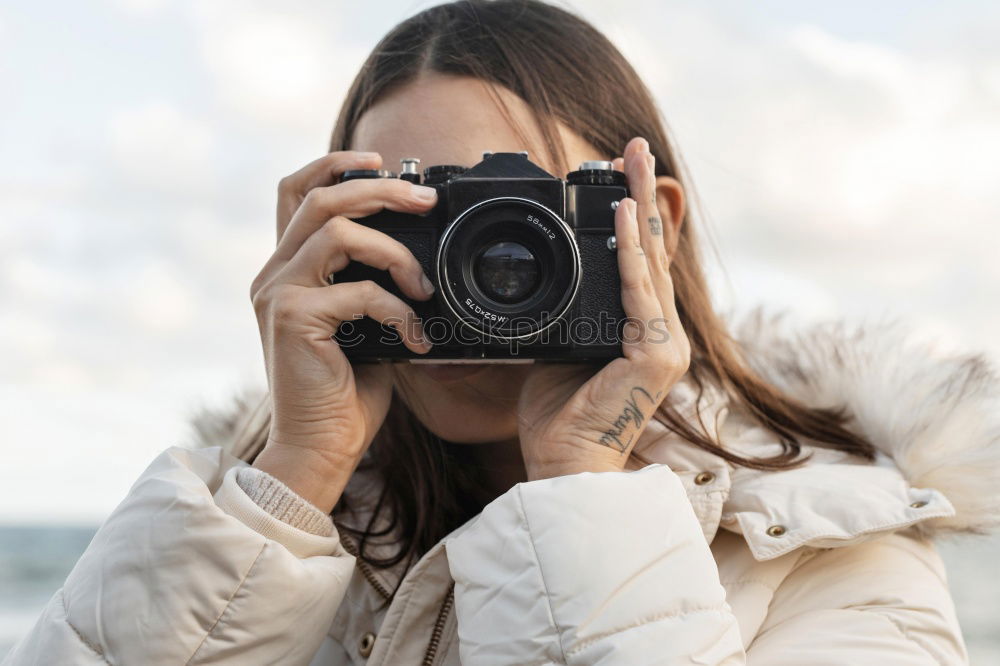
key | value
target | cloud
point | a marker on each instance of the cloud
(927, 122)
(160, 301)
(160, 147)
(799, 124)
(278, 68)
(140, 7)
(765, 282)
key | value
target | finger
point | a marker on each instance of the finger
(618, 164)
(664, 335)
(335, 304)
(639, 298)
(658, 341)
(640, 172)
(340, 241)
(636, 144)
(323, 171)
(355, 198)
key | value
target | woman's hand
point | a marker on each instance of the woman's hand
(567, 428)
(324, 413)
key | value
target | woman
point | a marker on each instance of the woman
(718, 498)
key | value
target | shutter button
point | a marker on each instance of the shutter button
(367, 643)
(776, 530)
(703, 478)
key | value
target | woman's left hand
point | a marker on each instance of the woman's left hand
(567, 428)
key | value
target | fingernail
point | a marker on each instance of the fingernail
(426, 284)
(424, 193)
(633, 209)
(643, 145)
(630, 208)
(367, 156)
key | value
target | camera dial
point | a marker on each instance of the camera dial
(441, 173)
(596, 172)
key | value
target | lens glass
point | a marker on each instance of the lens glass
(506, 272)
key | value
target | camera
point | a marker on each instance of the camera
(523, 263)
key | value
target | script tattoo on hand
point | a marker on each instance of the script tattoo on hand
(632, 415)
(655, 226)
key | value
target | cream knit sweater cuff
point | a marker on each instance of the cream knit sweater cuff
(282, 502)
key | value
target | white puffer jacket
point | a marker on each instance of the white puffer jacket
(688, 561)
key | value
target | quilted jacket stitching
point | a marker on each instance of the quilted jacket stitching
(541, 574)
(659, 617)
(218, 620)
(83, 639)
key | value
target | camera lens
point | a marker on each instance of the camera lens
(508, 268)
(506, 272)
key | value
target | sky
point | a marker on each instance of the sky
(845, 156)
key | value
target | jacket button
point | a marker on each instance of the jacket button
(703, 478)
(367, 643)
(917, 505)
(776, 530)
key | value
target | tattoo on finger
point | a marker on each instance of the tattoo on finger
(655, 226)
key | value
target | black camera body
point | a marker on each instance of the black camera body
(524, 264)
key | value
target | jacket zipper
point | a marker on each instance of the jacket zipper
(435, 641)
(443, 612)
(366, 569)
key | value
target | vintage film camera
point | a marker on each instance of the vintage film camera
(523, 263)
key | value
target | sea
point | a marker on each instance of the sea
(34, 561)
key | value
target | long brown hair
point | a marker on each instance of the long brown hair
(569, 72)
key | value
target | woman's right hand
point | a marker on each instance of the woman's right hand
(324, 412)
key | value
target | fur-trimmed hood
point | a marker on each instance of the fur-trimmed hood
(936, 417)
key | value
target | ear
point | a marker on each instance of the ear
(671, 202)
